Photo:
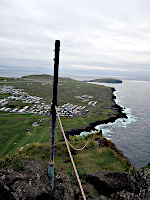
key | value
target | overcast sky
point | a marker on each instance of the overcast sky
(109, 38)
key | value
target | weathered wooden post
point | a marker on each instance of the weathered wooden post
(54, 103)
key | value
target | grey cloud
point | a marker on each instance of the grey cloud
(110, 34)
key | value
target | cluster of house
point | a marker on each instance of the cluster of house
(70, 110)
(38, 106)
(18, 94)
(86, 98)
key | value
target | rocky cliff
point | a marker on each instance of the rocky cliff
(30, 180)
(33, 183)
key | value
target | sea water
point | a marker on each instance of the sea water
(131, 135)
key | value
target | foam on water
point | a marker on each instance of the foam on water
(84, 133)
(106, 133)
(131, 135)
(107, 129)
(121, 122)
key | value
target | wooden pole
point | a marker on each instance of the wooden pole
(54, 103)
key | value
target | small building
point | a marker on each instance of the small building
(35, 124)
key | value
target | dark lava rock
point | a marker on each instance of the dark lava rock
(32, 183)
(121, 186)
(63, 188)
(107, 182)
(125, 195)
(140, 183)
(102, 142)
(102, 197)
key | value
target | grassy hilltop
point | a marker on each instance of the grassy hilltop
(17, 132)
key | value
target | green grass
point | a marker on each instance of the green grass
(148, 166)
(43, 77)
(4, 95)
(14, 129)
(14, 134)
(91, 159)
(17, 104)
(9, 79)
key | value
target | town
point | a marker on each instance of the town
(36, 105)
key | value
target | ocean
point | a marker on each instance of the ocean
(131, 135)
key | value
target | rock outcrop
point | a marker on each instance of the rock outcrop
(33, 183)
(63, 188)
(103, 142)
(121, 186)
(107, 182)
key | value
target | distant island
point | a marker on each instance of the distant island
(106, 80)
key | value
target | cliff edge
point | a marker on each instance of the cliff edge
(28, 179)
(33, 183)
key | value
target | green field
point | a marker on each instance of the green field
(13, 132)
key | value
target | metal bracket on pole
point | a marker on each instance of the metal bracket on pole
(54, 103)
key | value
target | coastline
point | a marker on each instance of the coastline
(92, 126)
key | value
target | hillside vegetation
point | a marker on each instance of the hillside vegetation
(90, 159)
(17, 130)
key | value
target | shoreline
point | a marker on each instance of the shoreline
(92, 126)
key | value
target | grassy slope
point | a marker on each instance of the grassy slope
(41, 77)
(91, 159)
(14, 133)
(14, 129)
